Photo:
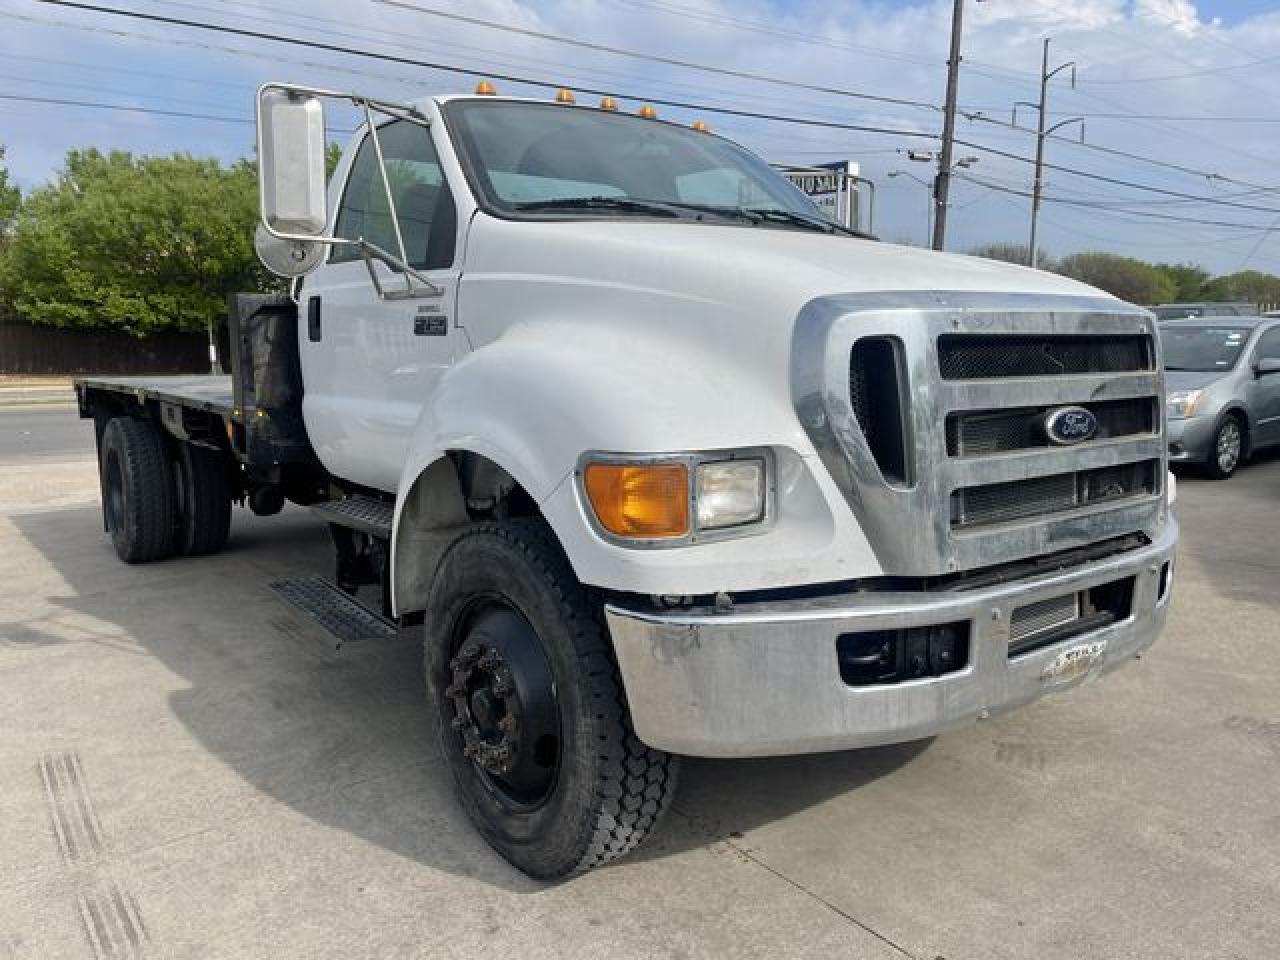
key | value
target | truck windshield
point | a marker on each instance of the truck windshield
(538, 160)
(1202, 349)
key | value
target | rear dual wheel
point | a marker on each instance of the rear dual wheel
(157, 505)
(533, 723)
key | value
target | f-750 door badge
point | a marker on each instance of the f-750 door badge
(430, 322)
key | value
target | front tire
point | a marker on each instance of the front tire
(138, 491)
(1228, 448)
(533, 723)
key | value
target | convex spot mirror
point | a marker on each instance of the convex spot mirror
(287, 258)
(291, 153)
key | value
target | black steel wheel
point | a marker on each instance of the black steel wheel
(533, 723)
(1228, 448)
(505, 707)
(138, 493)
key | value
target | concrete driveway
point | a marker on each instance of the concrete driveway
(189, 769)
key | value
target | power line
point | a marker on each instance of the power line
(1004, 188)
(128, 108)
(668, 102)
(1133, 185)
(473, 72)
(654, 58)
(756, 26)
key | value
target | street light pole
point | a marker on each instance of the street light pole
(942, 185)
(1037, 189)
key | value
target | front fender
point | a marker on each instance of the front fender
(535, 400)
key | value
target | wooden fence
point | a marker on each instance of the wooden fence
(27, 349)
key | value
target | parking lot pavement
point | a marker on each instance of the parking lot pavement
(190, 769)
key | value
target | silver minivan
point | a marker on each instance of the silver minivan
(1222, 375)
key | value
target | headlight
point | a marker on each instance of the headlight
(678, 498)
(730, 493)
(1184, 403)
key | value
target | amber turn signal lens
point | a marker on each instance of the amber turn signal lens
(640, 500)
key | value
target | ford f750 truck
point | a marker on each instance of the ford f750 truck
(660, 460)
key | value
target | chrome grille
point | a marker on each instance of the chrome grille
(979, 372)
(1038, 496)
(977, 432)
(984, 357)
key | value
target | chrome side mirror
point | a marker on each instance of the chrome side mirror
(291, 148)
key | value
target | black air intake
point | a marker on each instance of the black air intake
(877, 379)
(991, 356)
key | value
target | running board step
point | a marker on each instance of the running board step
(339, 613)
(358, 513)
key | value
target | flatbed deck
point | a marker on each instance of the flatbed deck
(211, 393)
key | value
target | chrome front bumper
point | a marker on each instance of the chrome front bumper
(764, 679)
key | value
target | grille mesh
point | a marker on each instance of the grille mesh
(998, 431)
(1020, 499)
(987, 357)
(1045, 615)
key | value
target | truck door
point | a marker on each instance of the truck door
(1264, 391)
(370, 363)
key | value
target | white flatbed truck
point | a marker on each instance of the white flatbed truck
(662, 461)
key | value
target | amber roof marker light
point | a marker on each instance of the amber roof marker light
(486, 89)
(648, 112)
(565, 95)
(608, 103)
(700, 126)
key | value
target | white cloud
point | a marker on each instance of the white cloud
(1122, 48)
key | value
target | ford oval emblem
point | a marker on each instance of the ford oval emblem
(1067, 425)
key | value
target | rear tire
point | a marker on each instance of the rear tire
(138, 493)
(205, 519)
(532, 718)
(1228, 448)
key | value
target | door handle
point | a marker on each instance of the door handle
(313, 320)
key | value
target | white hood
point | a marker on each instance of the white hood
(740, 263)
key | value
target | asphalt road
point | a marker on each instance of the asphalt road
(51, 431)
(189, 769)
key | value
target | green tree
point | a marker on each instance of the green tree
(10, 198)
(1134, 280)
(1251, 285)
(1012, 253)
(1189, 281)
(134, 243)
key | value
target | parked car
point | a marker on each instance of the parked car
(1183, 311)
(1222, 375)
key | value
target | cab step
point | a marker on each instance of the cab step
(338, 612)
(361, 513)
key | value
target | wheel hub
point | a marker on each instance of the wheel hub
(504, 708)
(1229, 444)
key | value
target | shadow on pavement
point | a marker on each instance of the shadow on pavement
(343, 737)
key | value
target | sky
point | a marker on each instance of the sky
(1180, 122)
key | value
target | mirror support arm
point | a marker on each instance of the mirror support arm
(371, 252)
(391, 200)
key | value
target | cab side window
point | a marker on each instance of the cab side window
(1268, 346)
(424, 205)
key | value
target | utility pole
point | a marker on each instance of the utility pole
(942, 184)
(1037, 189)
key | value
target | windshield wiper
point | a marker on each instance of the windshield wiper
(624, 204)
(811, 223)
